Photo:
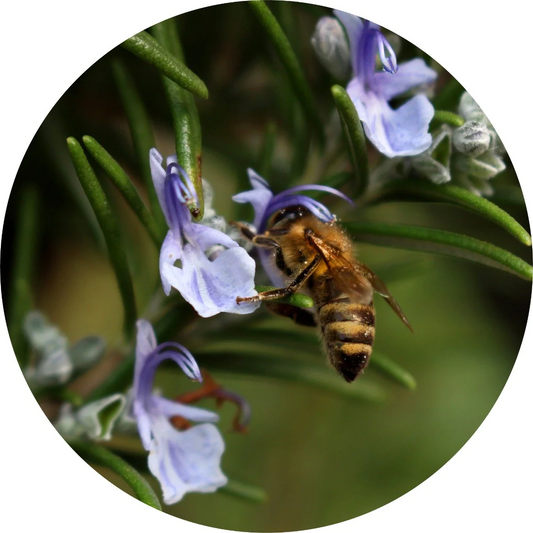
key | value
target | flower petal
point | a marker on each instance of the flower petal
(186, 461)
(354, 29)
(159, 175)
(399, 132)
(204, 237)
(212, 287)
(194, 414)
(259, 197)
(409, 75)
(171, 251)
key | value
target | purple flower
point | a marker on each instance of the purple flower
(182, 461)
(209, 286)
(394, 132)
(265, 204)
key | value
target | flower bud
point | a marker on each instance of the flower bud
(472, 138)
(332, 48)
(486, 166)
(470, 110)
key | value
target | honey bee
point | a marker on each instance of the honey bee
(318, 258)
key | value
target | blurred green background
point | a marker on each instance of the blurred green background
(321, 458)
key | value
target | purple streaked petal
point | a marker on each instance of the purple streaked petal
(410, 74)
(171, 251)
(211, 287)
(169, 409)
(186, 461)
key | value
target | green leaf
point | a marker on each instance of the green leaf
(355, 137)
(100, 456)
(440, 242)
(287, 369)
(128, 190)
(447, 117)
(458, 196)
(185, 119)
(297, 299)
(141, 133)
(109, 225)
(392, 370)
(244, 491)
(148, 49)
(20, 301)
(290, 63)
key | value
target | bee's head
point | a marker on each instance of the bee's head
(289, 214)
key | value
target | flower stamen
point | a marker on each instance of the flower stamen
(212, 389)
(386, 54)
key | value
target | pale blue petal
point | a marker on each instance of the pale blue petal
(169, 409)
(145, 345)
(171, 251)
(186, 461)
(259, 198)
(144, 424)
(354, 29)
(204, 237)
(409, 75)
(159, 175)
(399, 132)
(212, 287)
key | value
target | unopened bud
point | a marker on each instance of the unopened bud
(470, 110)
(472, 138)
(332, 48)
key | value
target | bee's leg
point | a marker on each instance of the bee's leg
(299, 316)
(266, 242)
(246, 231)
(300, 278)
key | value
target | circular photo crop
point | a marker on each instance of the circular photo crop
(270, 275)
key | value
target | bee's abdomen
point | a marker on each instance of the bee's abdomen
(348, 331)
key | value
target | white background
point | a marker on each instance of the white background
(45, 46)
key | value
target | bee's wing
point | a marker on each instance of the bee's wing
(381, 289)
(346, 276)
(354, 278)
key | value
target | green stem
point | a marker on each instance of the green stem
(355, 138)
(110, 229)
(447, 117)
(20, 301)
(244, 491)
(98, 455)
(290, 63)
(185, 118)
(148, 49)
(267, 151)
(297, 299)
(141, 133)
(440, 242)
(457, 196)
(128, 190)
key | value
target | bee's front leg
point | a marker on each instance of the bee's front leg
(274, 294)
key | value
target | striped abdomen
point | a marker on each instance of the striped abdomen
(348, 330)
